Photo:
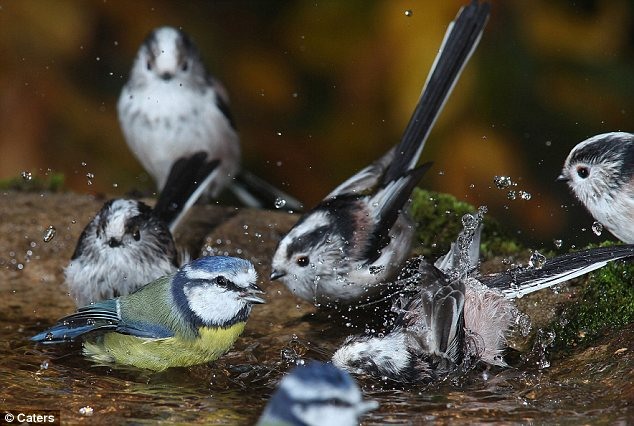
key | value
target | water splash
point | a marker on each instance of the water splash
(409, 12)
(26, 175)
(280, 202)
(49, 233)
(597, 228)
(86, 411)
(558, 243)
(537, 260)
(503, 181)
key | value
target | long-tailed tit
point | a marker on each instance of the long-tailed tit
(600, 172)
(359, 235)
(128, 244)
(171, 107)
(451, 318)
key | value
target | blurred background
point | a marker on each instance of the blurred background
(321, 88)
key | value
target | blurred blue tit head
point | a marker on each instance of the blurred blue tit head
(316, 394)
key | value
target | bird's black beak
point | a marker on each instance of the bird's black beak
(251, 295)
(275, 274)
(561, 178)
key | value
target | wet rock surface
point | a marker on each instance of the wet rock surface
(587, 385)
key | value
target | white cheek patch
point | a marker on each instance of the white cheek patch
(212, 304)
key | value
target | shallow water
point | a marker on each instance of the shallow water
(589, 386)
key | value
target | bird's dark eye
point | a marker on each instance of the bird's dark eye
(136, 235)
(583, 172)
(221, 281)
(184, 66)
(303, 261)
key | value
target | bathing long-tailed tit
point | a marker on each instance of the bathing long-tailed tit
(171, 107)
(450, 318)
(128, 244)
(600, 172)
(358, 237)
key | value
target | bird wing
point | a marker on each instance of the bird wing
(386, 206)
(187, 180)
(435, 306)
(517, 283)
(100, 316)
(460, 40)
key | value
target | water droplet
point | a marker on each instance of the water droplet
(279, 133)
(502, 181)
(49, 233)
(525, 195)
(558, 243)
(86, 411)
(512, 195)
(49, 336)
(597, 228)
(44, 365)
(409, 12)
(280, 202)
(536, 260)
(27, 176)
(83, 164)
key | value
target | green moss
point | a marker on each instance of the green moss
(605, 304)
(52, 182)
(438, 218)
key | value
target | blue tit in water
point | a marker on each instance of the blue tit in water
(316, 394)
(190, 317)
(357, 238)
(128, 244)
(450, 318)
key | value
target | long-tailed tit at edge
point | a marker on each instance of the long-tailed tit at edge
(358, 237)
(128, 244)
(600, 172)
(450, 318)
(171, 107)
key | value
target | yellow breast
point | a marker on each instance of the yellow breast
(159, 354)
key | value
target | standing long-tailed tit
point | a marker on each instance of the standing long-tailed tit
(600, 172)
(358, 237)
(450, 318)
(171, 108)
(316, 394)
(128, 244)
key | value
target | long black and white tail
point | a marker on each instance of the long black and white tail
(188, 179)
(517, 283)
(461, 39)
(253, 191)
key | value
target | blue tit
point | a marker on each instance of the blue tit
(449, 318)
(190, 317)
(316, 394)
(171, 107)
(128, 244)
(600, 172)
(357, 238)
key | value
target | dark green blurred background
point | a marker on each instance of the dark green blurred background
(321, 88)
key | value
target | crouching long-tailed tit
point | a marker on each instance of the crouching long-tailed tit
(316, 394)
(453, 319)
(171, 107)
(128, 244)
(359, 235)
(600, 172)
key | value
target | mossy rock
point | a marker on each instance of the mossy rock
(438, 223)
